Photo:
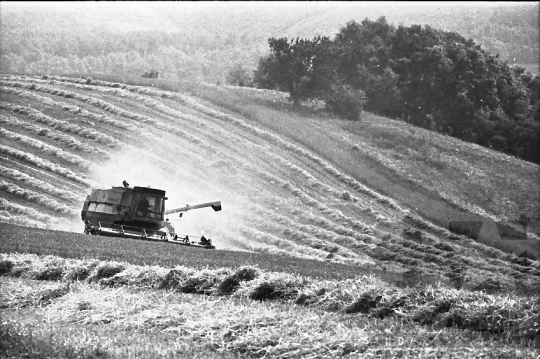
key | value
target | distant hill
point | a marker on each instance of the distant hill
(204, 41)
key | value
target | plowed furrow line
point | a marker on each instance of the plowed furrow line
(45, 148)
(21, 177)
(46, 132)
(44, 164)
(63, 126)
(36, 197)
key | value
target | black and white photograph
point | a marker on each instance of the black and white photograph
(269, 179)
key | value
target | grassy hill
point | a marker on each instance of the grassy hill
(369, 198)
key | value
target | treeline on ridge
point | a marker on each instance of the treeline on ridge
(430, 78)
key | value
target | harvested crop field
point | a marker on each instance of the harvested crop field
(323, 247)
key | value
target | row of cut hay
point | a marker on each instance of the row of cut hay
(467, 176)
(44, 164)
(57, 136)
(349, 181)
(166, 94)
(311, 202)
(45, 148)
(459, 240)
(402, 252)
(192, 103)
(427, 260)
(211, 112)
(87, 99)
(64, 126)
(26, 212)
(35, 197)
(335, 214)
(433, 305)
(430, 257)
(264, 242)
(356, 227)
(156, 93)
(67, 107)
(36, 183)
(315, 235)
(162, 108)
(176, 115)
(335, 252)
(62, 183)
(127, 114)
(315, 183)
(461, 163)
(22, 220)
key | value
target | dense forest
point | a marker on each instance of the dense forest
(430, 78)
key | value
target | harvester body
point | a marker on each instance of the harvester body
(137, 212)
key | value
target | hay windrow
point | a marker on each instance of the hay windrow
(427, 305)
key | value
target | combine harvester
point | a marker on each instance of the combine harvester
(137, 212)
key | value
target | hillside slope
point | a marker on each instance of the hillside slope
(296, 182)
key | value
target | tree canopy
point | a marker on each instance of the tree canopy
(430, 78)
